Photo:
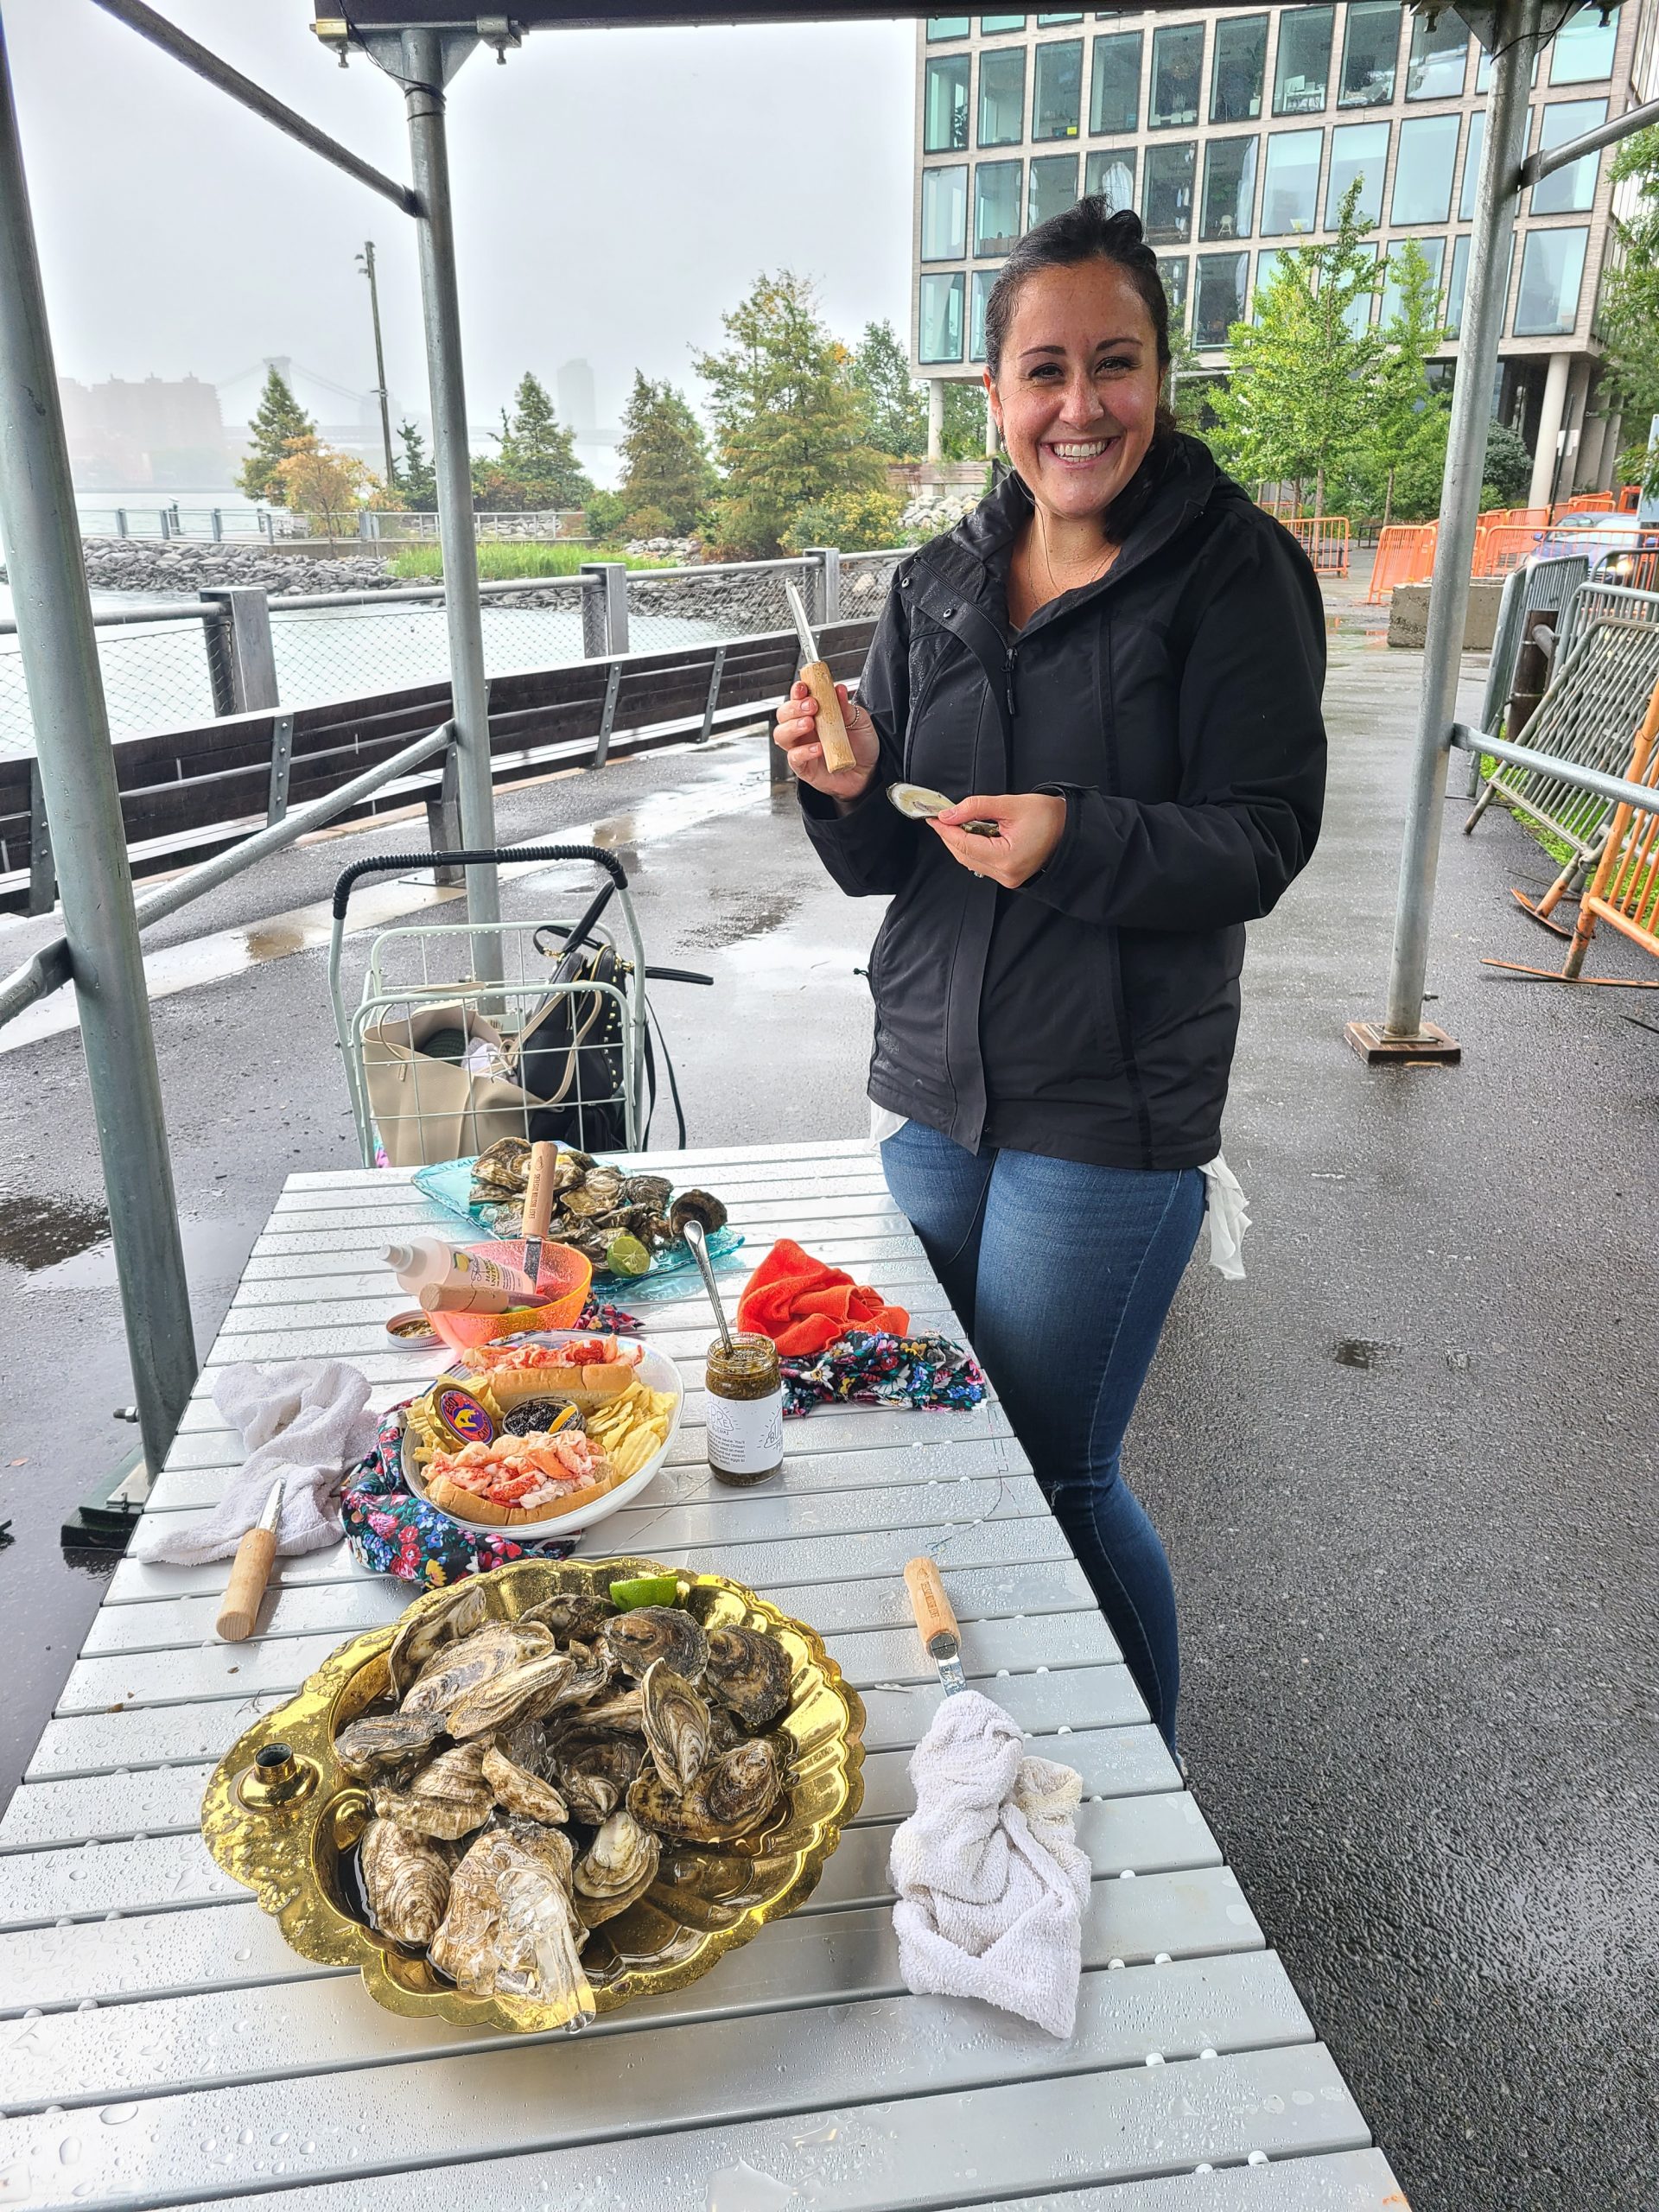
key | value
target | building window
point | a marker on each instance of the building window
(1219, 301)
(1583, 52)
(982, 280)
(1439, 54)
(1229, 206)
(1239, 69)
(1360, 309)
(989, 25)
(944, 106)
(1371, 49)
(1109, 175)
(939, 331)
(1173, 274)
(1423, 174)
(1290, 194)
(1301, 77)
(940, 27)
(945, 214)
(1177, 70)
(1054, 187)
(1360, 149)
(1458, 284)
(1166, 194)
(1570, 191)
(1433, 252)
(1002, 96)
(1267, 265)
(1472, 165)
(996, 206)
(1114, 92)
(1057, 101)
(1552, 267)
(1049, 23)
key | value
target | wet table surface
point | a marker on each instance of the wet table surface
(160, 2044)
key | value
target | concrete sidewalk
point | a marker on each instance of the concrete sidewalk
(1404, 1470)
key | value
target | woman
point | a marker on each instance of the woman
(1120, 658)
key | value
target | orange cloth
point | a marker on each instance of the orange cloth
(802, 1305)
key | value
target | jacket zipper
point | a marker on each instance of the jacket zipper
(1008, 682)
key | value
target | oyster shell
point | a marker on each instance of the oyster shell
(380, 1743)
(464, 1606)
(595, 1772)
(584, 1202)
(518, 1790)
(636, 1639)
(730, 1798)
(406, 1881)
(724, 1732)
(650, 1191)
(510, 1928)
(524, 1693)
(572, 1613)
(619, 1866)
(457, 1669)
(504, 1166)
(623, 1713)
(677, 1725)
(696, 1205)
(750, 1673)
(448, 1798)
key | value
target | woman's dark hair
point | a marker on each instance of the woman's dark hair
(1087, 232)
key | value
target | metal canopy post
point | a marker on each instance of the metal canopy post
(77, 772)
(422, 61)
(1402, 1034)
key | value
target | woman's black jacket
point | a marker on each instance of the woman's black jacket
(1091, 1014)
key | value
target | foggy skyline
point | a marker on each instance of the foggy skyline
(615, 193)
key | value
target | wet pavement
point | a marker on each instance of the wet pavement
(1405, 1469)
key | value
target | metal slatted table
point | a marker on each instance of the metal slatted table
(161, 2045)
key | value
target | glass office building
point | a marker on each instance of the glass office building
(1235, 133)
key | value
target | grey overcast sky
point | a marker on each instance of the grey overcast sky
(615, 191)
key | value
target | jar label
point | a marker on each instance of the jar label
(746, 1435)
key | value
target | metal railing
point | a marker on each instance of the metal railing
(411, 525)
(201, 526)
(175, 664)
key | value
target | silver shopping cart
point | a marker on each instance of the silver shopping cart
(553, 1040)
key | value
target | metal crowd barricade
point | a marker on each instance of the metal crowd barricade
(1542, 587)
(1405, 555)
(1595, 599)
(1595, 698)
(1325, 539)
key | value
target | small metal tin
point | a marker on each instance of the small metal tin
(412, 1327)
(459, 1417)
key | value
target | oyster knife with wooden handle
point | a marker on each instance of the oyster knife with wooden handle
(815, 674)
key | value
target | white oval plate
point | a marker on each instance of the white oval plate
(656, 1371)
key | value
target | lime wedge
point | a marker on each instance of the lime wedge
(646, 1590)
(626, 1256)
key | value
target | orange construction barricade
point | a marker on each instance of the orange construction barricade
(1405, 555)
(1324, 539)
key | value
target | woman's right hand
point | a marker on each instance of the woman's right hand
(797, 736)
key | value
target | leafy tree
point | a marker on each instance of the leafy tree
(1508, 469)
(964, 421)
(278, 421)
(895, 407)
(537, 467)
(1299, 406)
(858, 522)
(1189, 388)
(649, 522)
(606, 514)
(789, 418)
(1409, 414)
(415, 479)
(323, 485)
(1629, 315)
(666, 457)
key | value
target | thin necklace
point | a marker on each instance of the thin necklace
(1054, 581)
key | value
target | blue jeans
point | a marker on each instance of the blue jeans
(1062, 1274)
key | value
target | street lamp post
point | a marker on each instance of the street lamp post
(366, 263)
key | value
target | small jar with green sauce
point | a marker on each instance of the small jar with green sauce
(745, 1390)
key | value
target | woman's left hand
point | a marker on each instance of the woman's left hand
(1029, 825)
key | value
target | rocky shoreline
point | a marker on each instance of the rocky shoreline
(162, 570)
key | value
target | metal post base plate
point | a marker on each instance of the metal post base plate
(1376, 1048)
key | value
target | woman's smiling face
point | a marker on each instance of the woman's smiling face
(1076, 392)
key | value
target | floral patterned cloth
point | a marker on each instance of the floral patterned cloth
(391, 1531)
(870, 1368)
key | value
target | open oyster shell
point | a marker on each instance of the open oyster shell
(595, 1772)
(510, 1928)
(406, 1881)
(749, 1673)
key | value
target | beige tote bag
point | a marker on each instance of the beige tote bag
(428, 1110)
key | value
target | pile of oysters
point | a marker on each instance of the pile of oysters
(527, 1774)
(599, 1210)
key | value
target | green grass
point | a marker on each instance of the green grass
(500, 560)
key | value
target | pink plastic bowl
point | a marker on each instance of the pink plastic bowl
(562, 1282)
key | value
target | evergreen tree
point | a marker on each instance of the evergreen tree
(789, 417)
(278, 420)
(1630, 305)
(537, 467)
(1299, 405)
(416, 482)
(895, 408)
(664, 455)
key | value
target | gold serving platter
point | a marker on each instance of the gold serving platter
(285, 1827)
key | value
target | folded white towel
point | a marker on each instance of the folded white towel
(306, 1420)
(991, 1883)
